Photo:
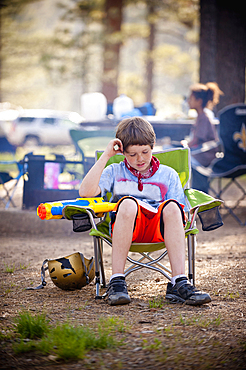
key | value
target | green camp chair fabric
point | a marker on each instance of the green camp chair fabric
(201, 200)
(178, 159)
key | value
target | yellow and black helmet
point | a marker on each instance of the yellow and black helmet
(71, 272)
(68, 273)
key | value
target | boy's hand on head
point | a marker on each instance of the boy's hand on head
(114, 146)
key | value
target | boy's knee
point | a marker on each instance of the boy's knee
(171, 210)
(128, 207)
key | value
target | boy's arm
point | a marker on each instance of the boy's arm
(89, 187)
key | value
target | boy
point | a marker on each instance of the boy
(138, 181)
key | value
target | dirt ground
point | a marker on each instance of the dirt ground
(171, 337)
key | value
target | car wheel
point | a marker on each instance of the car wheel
(31, 141)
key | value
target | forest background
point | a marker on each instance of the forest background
(53, 51)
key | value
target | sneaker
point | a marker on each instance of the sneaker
(117, 292)
(184, 292)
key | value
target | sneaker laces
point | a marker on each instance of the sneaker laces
(118, 285)
(191, 289)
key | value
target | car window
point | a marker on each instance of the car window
(49, 121)
(66, 123)
(26, 119)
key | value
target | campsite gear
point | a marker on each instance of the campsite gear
(227, 171)
(68, 273)
(48, 211)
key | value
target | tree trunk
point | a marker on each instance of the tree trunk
(223, 48)
(231, 52)
(150, 63)
(113, 9)
(208, 40)
(0, 53)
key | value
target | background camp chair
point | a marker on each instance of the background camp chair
(8, 183)
(87, 142)
(84, 218)
(6, 146)
(224, 173)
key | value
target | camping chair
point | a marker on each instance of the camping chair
(6, 178)
(225, 172)
(6, 146)
(199, 181)
(86, 142)
(84, 218)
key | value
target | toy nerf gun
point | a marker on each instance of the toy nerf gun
(51, 211)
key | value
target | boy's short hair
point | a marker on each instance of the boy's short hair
(135, 131)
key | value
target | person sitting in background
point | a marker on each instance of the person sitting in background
(202, 97)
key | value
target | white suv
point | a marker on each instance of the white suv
(45, 127)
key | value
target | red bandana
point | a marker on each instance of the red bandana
(154, 165)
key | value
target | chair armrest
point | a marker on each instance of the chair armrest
(202, 201)
(206, 207)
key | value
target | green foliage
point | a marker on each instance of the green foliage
(23, 267)
(9, 269)
(55, 43)
(30, 326)
(171, 60)
(74, 341)
(65, 340)
(71, 342)
(199, 321)
(6, 334)
(153, 346)
(24, 346)
(157, 302)
(83, 307)
(111, 324)
(232, 295)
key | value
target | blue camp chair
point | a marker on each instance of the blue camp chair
(225, 172)
(84, 218)
(6, 146)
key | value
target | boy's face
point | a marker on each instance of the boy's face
(139, 157)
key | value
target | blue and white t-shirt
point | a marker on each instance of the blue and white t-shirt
(163, 185)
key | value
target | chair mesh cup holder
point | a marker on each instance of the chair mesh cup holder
(210, 219)
(81, 222)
